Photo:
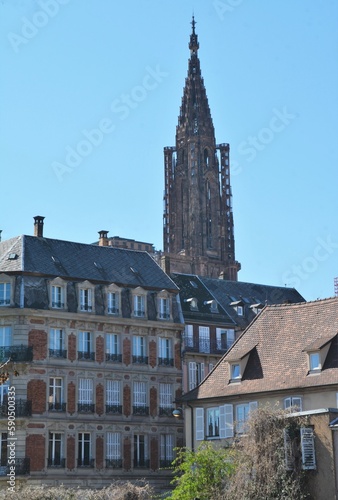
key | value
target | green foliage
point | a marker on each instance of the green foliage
(201, 474)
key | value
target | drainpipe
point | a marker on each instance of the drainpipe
(192, 427)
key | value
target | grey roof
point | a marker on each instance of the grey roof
(45, 256)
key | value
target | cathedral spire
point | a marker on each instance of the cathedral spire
(193, 45)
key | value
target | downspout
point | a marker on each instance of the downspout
(192, 427)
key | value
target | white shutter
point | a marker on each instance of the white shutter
(192, 375)
(289, 458)
(308, 448)
(287, 403)
(199, 417)
(202, 372)
(226, 421)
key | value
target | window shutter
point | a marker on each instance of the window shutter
(308, 448)
(289, 458)
(226, 421)
(287, 403)
(199, 417)
(211, 366)
(192, 375)
(230, 338)
(202, 372)
(253, 406)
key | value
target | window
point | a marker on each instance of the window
(315, 363)
(86, 299)
(140, 451)
(113, 450)
(3, 449)
(55, 458)
(235, 371)
(242, 415)
(166, 450)
(224, 339)
(139, 306)
(204, 339)
(165, 356)
(166, 398)
(113, 303)
(84, 450)
(212, 422)
(4, 394)
(293, 403)
(139, 350)
(57, 297)
(239, 310)
(113, 347)
(55, 398)
(85, 400)
(57, 343)
(5, 294)
(164, 308)
(113, 397)
(140, 399)
(5, 342)
(189, 336)
(86, 346)
(196, 374)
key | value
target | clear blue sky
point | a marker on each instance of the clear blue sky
(271, 74)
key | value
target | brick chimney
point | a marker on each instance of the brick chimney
(103, 241)
(38, 226)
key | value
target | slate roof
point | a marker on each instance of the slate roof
(278, 340)
(192, 287)
(79, 261)
(226, 293)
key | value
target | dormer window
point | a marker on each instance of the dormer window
(213, 305)
(5, 294)
(139, 303)
(193, 303)
(164, 308)
(236, 371)
(58, 294)
(317, 352)
(256, 308)
(238, 307)
(237, 364)
(314, 359)
(113, 303)
(86, 296)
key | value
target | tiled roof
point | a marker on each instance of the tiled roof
(81, 261)
(278, 360)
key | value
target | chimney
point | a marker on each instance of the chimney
(103, 241)
(38, 226)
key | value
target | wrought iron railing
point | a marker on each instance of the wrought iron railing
(57, 406)
(113, 310)
(205, 346)
(143, 360)
(23, 408)
(21, 465)
(16, 353)
(140, 410)
(85, 408)
(56, 462)
(57, 353)
(114, 409)
(165, 411)
(166, 361)
(85, 462)
(142, 462)
(116, 358)
(165, 464)
(114, 463)
(58, 305)
(85, 355)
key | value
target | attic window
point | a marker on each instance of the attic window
(317, 352)
(314, 359)
(213, 305)
(193, 303)
(235, 371)
(12, 256)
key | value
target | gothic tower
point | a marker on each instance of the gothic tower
(198, 229)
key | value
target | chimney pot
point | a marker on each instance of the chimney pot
(38, 226)
(103, 241)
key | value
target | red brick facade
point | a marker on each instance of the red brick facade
(127, 453)
(72, 347)
(154, 453)
(71, 397)
(99, 399)
(35, 451)
(71, 452)
(178, 363)
(100, 349)
(36, 393)
(38, 340)
(99, 452)
(153, 402)
(152, 353)
(126, 352)
(126, 400)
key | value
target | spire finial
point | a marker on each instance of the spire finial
(193, 45)
(193, 23)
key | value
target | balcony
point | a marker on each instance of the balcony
(86, 307)
(5, 302)
(85, 356)
(165, 411)
(164, 316)
(57, 353)
(115, 358)
(59, 463)
(17, 353)
(22, 467)
(165, 362)
(114, 409)
(142, 360)
(23, 408)
(113, 463)
(166, 464)
(142, 463)
(140, 410)
(60, 407)
(58, 305)
(85, 408)
(139, 313)
(205, 346)
(86, 462)
(113, 310)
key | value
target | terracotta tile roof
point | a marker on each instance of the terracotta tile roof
(278, 360)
